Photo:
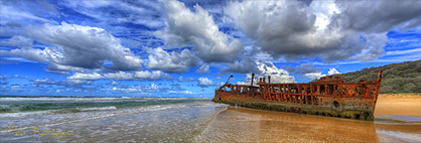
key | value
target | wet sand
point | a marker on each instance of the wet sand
(237, 124)
(250, 125)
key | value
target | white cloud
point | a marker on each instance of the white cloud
(318, 75)
(182, 79)
(127, 89)
(241, 83)
(314, 75)
(180, 92)
(154, 75)
(58, 68)
(86, 76)
(12, 11)
(70, 83)
(18, 41)
(77, 46)
(282, 27)
(394, 14)
(204, 82)
(29, 53)
(303, 68)
(269, 69)
(121, 75)
(246, 65)
(136, 12)
(329, 30)
(112, 83)
(222, 83)
(186, 28)
(277, 75)
(172, 62)
(333, 71)
(203, 69)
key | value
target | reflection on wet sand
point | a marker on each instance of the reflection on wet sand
(249, 125)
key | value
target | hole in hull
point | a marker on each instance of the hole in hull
(336, 104)
(357, 116)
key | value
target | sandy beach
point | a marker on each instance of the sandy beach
(398, 104)
(250, 125)
(200, 120)
(238, 124)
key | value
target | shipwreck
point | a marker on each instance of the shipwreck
(328, 96)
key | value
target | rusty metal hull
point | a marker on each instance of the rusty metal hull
(326, 97)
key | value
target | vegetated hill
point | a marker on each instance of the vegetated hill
(397, 78)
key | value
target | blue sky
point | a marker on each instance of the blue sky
(189, 48)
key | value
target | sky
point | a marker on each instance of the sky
(188, 48)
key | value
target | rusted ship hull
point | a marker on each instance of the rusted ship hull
(326, 97)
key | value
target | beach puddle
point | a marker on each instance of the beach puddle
(249, 125)
(398, 118)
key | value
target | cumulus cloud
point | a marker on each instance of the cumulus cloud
(121, 75)
(204, 82)
(77, 46)
(203, 69)
(139, 89)
(325, 29)
(318, 75)
(281, 27)
(333, 71)
(86, 76)
(269, 69)
(197, 29)
(112, 83)
(39, 55)
(154, 75)
(72, 83)
(173, 62)
(183, 79)
(18, 41)
(246, 65)
(221, 83)
(277, 75)
(303, 69)
(8, 76)
(65, 68)
(379, 16)
(314, 75)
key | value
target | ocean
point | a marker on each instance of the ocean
(105, 119)
(127, 119)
